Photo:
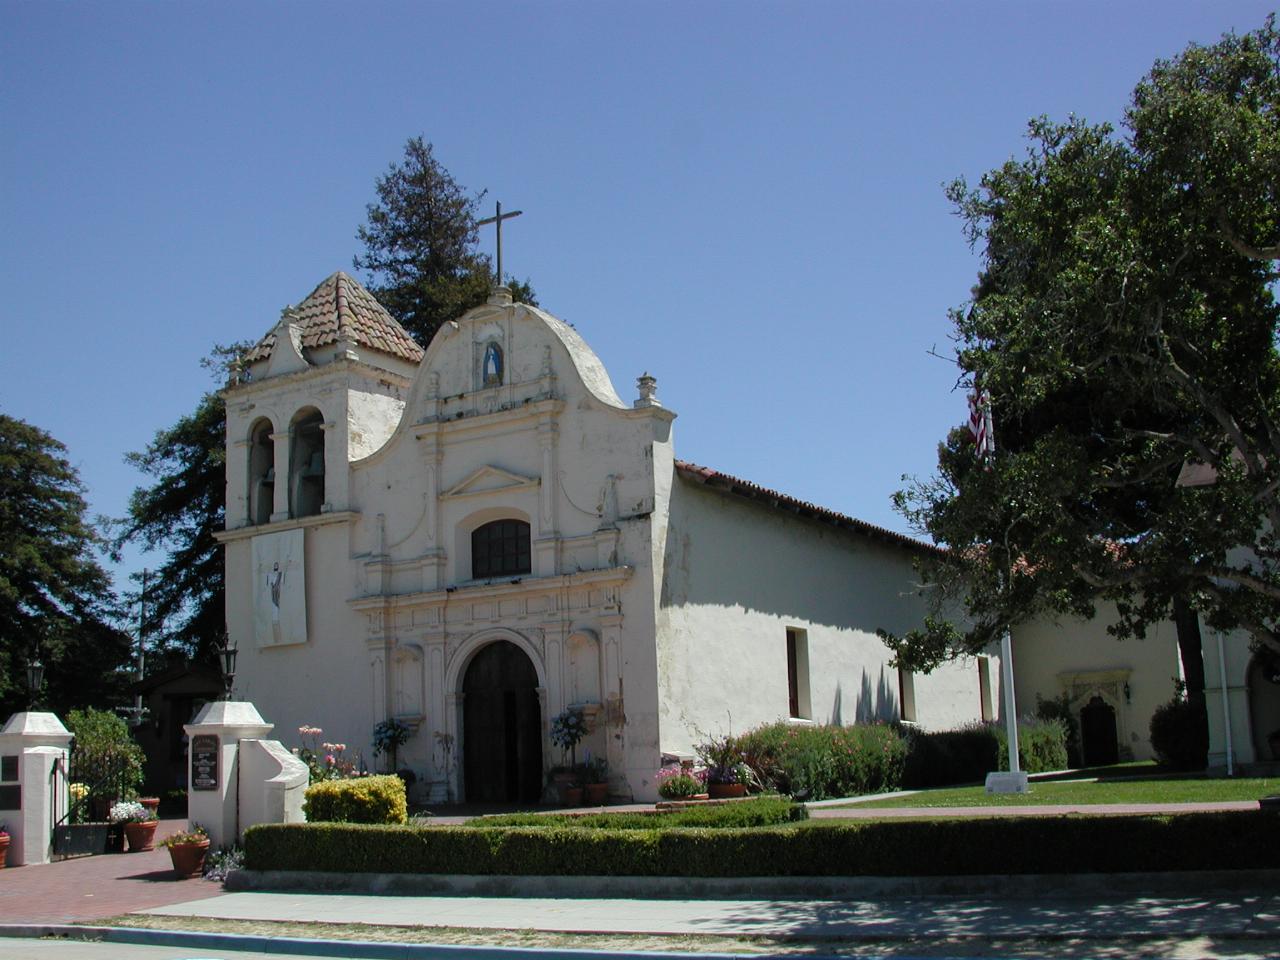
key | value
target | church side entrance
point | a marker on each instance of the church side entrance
(502, 727)
(1098, 733)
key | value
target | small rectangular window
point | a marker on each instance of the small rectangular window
(906, 696)
(798, 705)
(984, 689)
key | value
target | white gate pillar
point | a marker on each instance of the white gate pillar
(31, 797)
(213, 754)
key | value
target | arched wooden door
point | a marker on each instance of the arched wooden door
(502, 727)
(1098, 733)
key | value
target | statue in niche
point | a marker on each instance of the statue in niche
(491, 370)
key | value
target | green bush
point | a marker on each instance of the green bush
(1059, 708)
(103, 744)
(967, 755)
(1016, 845)
(363, 800)
(1180, 733)
(813, 762)
(949, 757)
(1042, 745)
(740, 814)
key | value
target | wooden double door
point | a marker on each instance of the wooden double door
(502, 727)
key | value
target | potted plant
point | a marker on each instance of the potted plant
(139, 824)
(567, 730)
(679, 783)
(595, 774)
(187, 850)
(388, 737)
(727, 771)
(4, 845)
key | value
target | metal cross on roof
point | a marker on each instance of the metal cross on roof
(497, 219)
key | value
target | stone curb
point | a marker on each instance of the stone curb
(294, 946)
(1016, 887)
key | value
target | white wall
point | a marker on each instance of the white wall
(736, 574)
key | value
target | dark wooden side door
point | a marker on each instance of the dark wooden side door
(502, 730)
(1098, 733)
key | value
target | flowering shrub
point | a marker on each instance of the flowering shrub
(676, 783)
(814, 762)
(130, 811)
(193, 834)
(723, 759)
(326, 761)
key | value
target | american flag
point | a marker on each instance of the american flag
(980, 423)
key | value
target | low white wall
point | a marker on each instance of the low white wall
(273, 783)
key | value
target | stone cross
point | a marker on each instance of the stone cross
(497, 219)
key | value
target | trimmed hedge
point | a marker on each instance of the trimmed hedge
(740, 814)
(360, 800)
(1017, 845)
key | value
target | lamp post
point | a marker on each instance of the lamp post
(228, 655)
(35, 680)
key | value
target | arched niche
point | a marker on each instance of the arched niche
(583, 668)
(262, 472)
(306, 463)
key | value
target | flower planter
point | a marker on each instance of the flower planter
(141, 835)
(188, 858)
(151, 803)
(597, 794)
(726, 791)
(572, 796)
(4, 849)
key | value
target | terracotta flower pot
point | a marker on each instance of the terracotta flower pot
(725, 791)
(4, 849)
(141, 835)
(572, 796)
(596, 794)
(151, 803)
(188, 858)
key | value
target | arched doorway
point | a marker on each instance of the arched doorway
(1098, 733)
(502, 727)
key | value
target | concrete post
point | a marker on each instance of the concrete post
(213, 754)
(32, 798)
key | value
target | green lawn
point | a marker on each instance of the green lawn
(1146, 790)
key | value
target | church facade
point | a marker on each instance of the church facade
(474, 538)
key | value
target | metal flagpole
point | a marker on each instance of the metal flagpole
(1014, 781)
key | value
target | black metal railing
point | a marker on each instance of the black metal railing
(94, 782)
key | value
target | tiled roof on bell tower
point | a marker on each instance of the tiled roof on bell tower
(339, 310)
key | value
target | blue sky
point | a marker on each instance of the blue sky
(744, 199)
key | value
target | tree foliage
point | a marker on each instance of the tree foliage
(56, 603)
(179, 513)
(1125, 325)
(420, 245)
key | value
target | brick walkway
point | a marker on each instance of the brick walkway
(90, 888)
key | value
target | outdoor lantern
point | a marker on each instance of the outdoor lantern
(1128, 692)
(228, 655)
(35, 678)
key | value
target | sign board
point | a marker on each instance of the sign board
(204, 762)
(9, 767)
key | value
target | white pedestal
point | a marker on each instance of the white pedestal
(36, 741)
(213, 765)
(1005, 782)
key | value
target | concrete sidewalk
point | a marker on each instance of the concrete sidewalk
(1245, 916)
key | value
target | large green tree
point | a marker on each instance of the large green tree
(420, 245)
(1125, 326)
(56, 603)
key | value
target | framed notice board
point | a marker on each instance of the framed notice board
(204, 762)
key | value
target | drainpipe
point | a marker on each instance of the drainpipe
(1226, 709)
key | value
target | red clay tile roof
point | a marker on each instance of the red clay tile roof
(772, 498)
(341, 309)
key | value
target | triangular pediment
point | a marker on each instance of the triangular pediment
(489, 479)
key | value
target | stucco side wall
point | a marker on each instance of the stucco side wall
(1080, 658)
(1249, 721)
(736, 575)
(371, 419)
(323, 682)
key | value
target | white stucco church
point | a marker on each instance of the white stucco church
(472, 538)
